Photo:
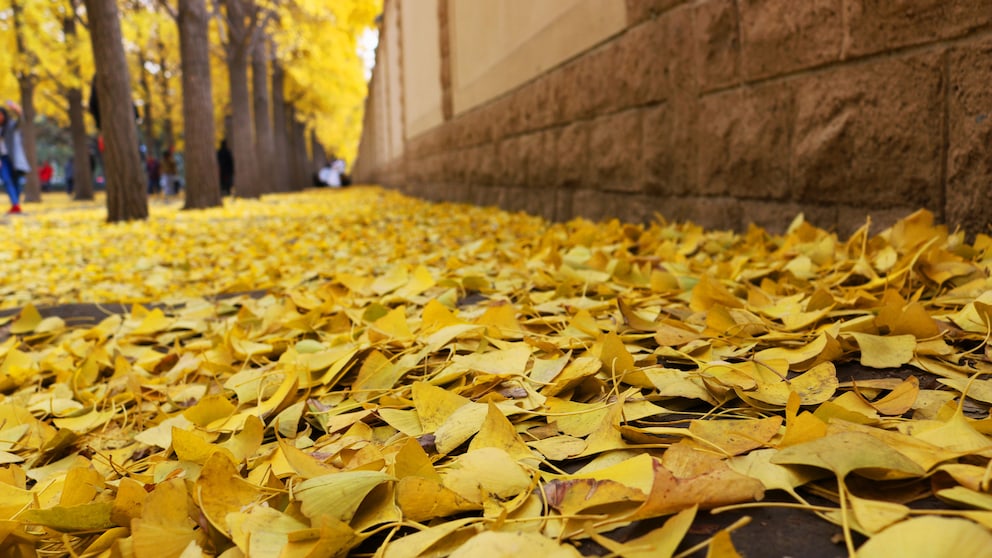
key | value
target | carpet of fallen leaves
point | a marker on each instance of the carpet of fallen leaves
(390, 377)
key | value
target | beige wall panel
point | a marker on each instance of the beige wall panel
(499, 45)
(421, 66)
(394, 79)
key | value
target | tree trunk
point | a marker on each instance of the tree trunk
(280, 131)
(319, 158)
(82, 175)
(298, 153)
(202, 175)
(263, 122)
(168, 134)
(126, 196)
(246, 183)
(25, 82)
(32, 189)
(151, 144)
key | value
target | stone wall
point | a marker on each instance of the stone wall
(727, 112)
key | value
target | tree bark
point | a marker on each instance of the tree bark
(202, 175)
(126, 196)
(32, 188)
(82, 172)
(148, 122)
(280, 130)
(246, 183)
(82, 175)
(168, 134)
(263, 121)
(298, 153)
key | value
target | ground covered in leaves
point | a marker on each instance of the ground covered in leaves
(389, 377)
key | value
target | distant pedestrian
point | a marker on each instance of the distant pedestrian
(225, 162)
(13, 162)
(45, 176)
(69, 179)
(153, 172)
(168, 170)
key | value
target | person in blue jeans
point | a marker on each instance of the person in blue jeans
(13, 162)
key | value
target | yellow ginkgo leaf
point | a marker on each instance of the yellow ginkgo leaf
(927, 536)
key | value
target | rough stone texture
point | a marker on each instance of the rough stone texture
(780, 36)
(969, 159)
(875, 25)
(744, 143)
(572, 154)
(615, 152)
(717, 44)
(858, 140)
(710, 212)
(669, 154)
(639, 10)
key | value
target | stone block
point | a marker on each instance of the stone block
(852, 218)
(719, 213)
(534, 201)
(743, 140)
(573, 155)
(542, 168)
(775, 217)
(482, 164)
(510, 170)
(534, 104)
(664, 65)
(717, 45)
(669, 154)
(876, 25)
(639, 10)
(615, 152)
(594, 205)
(583, 87)
(530, 158)
(968, 199)
(871, 133)
(781, 36)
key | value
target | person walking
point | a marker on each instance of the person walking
(13, 161)
(168, 170)
(45, 174)
(69, 179)
(225, 162)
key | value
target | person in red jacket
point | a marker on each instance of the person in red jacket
(45, 176)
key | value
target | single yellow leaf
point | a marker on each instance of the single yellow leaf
(928, 536)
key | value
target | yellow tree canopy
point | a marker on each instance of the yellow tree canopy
(316, 42)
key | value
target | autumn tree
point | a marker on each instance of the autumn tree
(202, 181)
(126, 197)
